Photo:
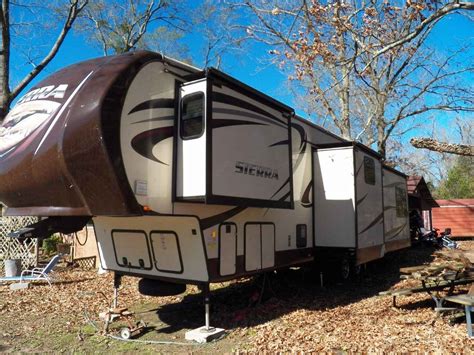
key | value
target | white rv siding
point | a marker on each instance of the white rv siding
(250, 148)
(150, 177)
(334, 210)
(169, 246)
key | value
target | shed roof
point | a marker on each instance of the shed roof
(459, 202)
(417, 188)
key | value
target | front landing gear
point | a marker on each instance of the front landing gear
(205, 333)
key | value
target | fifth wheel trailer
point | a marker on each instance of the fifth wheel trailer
(191, 176)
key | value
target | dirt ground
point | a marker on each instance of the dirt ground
(292, 313)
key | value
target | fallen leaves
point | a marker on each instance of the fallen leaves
(295, 313)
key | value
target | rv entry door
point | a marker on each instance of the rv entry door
(191, 139)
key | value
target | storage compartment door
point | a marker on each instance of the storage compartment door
(227, 248)
(268, 245)
(191, 139)
(131, 249)
(253, 248)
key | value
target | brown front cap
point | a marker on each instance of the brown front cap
(70, 165)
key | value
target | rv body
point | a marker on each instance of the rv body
(192, 176)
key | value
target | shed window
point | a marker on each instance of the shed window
(192, 116)
(369, 171)
(401, 202)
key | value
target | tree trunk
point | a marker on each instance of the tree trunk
(442, 147)
(381, 142)
(4, 60)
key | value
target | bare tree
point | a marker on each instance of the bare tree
(365, 64)
(67, 10)
(217, 27)
(121, 26)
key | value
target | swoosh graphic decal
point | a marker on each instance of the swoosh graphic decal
(281, 187)
(361, 199)
(242, 113)
(302, 133)
(373, 223)
(221, 217)
(230, 100)
(155, 103)
(227, 123)
(302, 149)
(285, 196)
(61, 110)
(358, 169)
(163, 118)
(285, 142)
(396, 230)
(144, 142)
(305, 200)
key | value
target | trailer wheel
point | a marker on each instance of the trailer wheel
(125, 333)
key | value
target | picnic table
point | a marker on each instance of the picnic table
(438, 287)
(439, 280)
(468, 302)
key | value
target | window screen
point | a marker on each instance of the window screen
(192, 116)
(369, 171)
(401, 202)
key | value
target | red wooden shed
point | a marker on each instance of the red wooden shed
(455, 214)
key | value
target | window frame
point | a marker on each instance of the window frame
(401, 206)
(369, 163)
(203, 116)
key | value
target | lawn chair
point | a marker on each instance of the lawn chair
(36, 274)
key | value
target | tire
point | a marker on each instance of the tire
(125, 333)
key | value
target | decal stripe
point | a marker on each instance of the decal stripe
(386, 208)
(374, 222)
(227, 99)
(226, 123)
(285, 196)
(163, 118)
(281, 187)
(248, 115)
(396, 230)
(305, 201)
(66, 104)
(221, 217)
(358, 169)
(285, 142)
(144, 142)
(361, 199)
(151, 104)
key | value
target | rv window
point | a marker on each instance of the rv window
(192, 122)
(401, 202)
(301, 235)
(369, 171)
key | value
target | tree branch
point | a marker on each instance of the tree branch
(442, 147)
(74, 10)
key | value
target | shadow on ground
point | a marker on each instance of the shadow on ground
(268, 297)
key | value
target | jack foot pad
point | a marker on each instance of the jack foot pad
(203, 335)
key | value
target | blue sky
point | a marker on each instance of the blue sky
(249, 67)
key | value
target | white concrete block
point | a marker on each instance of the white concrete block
(204, 335)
